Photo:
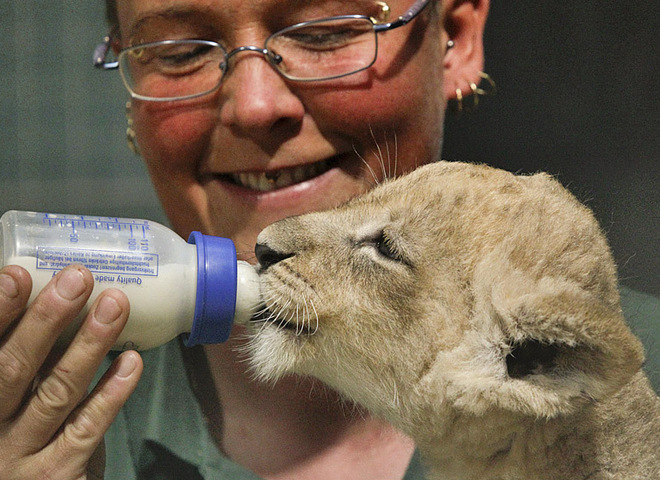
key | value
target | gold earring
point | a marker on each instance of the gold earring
(459, 101)
(383, 14)
(476, 91)
(131, 137)
(491, 87)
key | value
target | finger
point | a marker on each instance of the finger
(15, 287)
(26, 345)
(85, 428)
(75, 450)
(96, 465)
(64, 386)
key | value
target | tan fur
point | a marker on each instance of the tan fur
(477, 311)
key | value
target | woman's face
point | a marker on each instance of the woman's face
(262, 148)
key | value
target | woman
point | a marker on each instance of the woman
(248, 145)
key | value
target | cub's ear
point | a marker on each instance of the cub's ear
(563, 345)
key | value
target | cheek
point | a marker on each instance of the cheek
(173, 136)
(378, 99)
(395, 117)
(402, 97)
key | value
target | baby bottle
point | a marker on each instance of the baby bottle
(197, 288)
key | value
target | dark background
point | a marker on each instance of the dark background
(578, 96)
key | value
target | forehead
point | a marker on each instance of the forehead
(135, 14)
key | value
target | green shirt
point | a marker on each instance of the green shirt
(160, 433)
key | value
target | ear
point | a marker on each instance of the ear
(464, 22)
(563, 345)
(115, 40)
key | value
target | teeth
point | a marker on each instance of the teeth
(267, 181)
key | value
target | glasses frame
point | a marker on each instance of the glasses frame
(100, 57)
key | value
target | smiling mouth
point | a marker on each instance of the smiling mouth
(275, 179)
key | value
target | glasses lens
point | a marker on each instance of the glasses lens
(324, 49)
(172, 69)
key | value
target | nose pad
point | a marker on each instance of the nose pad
(272, 57)
(267, 256)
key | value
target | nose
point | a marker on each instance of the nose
(255, 98)
(268, 256)
(272, 57)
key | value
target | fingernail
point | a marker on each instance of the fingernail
(8, 286)
(70, 284)
(107, 310)
(127, 366)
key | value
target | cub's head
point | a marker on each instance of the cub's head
(454, 287)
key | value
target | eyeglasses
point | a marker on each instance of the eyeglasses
(313, 51)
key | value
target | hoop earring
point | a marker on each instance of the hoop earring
(476, 91)
(459, 101)
(131, 137)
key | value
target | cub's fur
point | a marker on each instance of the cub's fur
(475, 310)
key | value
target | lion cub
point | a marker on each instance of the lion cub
(475, 310)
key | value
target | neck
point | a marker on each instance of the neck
(296, 428)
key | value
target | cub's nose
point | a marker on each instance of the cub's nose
(268, 256)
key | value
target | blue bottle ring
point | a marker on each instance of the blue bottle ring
(215, 302)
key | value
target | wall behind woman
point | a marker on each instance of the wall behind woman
(62, 143)
(579, 96)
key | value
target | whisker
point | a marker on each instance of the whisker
(316, 316)
(387, 170)
(379, 152)
(304, 315)
(396, 154)
(366, 164)
(299, 327)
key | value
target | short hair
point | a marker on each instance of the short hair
(111, 14)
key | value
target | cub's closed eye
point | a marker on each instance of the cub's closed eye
(386, 247)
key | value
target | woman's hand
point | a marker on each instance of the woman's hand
(50, 427)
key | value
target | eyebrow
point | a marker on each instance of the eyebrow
(189, 11)
(171, 13)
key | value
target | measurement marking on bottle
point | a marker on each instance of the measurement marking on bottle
(86, 222)
(136, 233)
